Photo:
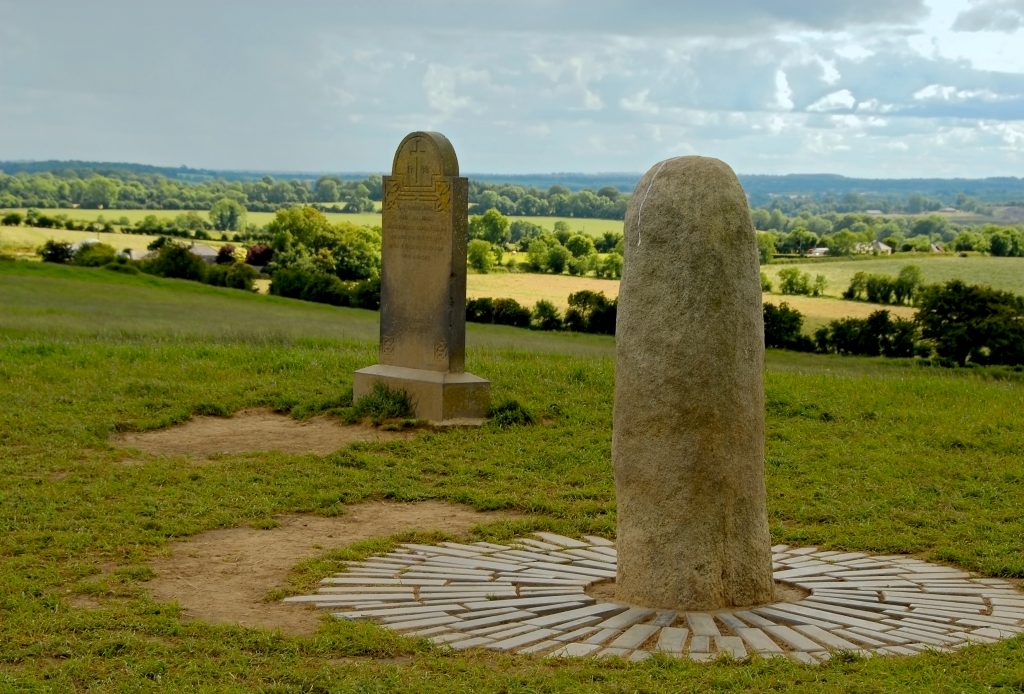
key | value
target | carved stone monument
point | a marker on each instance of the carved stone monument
(423, 285)
(688, 432)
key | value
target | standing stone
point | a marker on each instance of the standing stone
(423, 285)
(688, 432)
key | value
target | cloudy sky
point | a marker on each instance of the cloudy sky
(877, 88)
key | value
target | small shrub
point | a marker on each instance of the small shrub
(511, 312)
(95, 255)
(509, 413)
(235, 276)
(546, 316)
(259, 254)
(173, 260)
(382, 403)
(782, 328)
(56, 252)
(480, 310)
(225, 255)
(591, 312)
(11, 219)
(365, 294)
(793, 281)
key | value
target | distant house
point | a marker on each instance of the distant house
(872, 212)
(817, 252)
(875, 248)
(949, 210)
(938, 248)
(208, 254)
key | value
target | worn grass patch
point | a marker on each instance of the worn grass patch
(862, 454)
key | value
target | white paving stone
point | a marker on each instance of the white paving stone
(731, 645)
(634, 636)
(758, 640)
(528, 597)
(631, 616)
(525, 639)
(561, 540)
(702, 624)
(671, 640)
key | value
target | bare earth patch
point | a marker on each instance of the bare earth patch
(253, 430)
(222, 576)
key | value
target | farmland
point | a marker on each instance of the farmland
(529, 288)
(1001, 273)
(862, 454)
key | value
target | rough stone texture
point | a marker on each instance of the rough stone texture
(688, 431)
(423, 285)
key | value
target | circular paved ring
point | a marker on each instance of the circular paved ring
(529, 597)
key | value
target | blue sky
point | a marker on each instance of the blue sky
(877, 88)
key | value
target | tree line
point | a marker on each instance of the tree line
(853, 233)
(130, 190)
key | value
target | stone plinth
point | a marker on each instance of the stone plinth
(423, 285)
(688, 430)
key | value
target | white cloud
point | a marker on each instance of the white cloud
(875, 106)
(783, 93)
(639, 103)
(527, 86)
(991, 15)
(849, 121)
(1012, 134)
(942, 92)
(841, 100)
(440, 83)
(829, 73)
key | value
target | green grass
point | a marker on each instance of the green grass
(862, 454)
(590, 227)
(1002, 273)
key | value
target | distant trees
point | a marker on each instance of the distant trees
(883, 289)
(972, 323)
(783, 327)
(877, 335)
(792, 280)
(99, 192)
(479, 256)
(492, 226)
(227, 214)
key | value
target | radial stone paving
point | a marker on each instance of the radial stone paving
(528, 597)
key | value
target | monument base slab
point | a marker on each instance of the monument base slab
(439, 397)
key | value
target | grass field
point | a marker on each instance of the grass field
(1002, 273)
(862, 454)
(590, 227)
(25, 240)
(529, 288)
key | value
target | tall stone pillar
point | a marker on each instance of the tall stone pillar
(688, 431)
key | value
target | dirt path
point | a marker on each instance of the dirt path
(253, 430)
(222, 576)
